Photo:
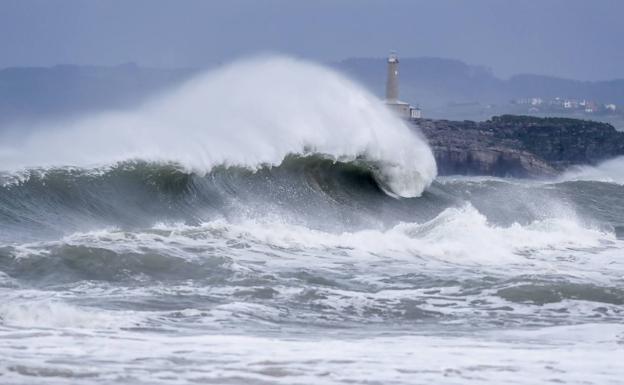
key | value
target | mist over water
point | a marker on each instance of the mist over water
(272, 222)
(611, 171)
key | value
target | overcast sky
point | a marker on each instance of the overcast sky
(570, 38)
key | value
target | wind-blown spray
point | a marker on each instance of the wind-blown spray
(250, 113)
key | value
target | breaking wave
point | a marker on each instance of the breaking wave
(458, 238)
(249, 114)
(302, 189)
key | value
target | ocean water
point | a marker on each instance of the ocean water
(249, 229)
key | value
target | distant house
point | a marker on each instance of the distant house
(557, 102)
(591, 107)
(610, 107)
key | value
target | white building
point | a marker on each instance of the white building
(404, 110)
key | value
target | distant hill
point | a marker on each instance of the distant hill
(434, 82)
(611, 91)
(444, 88)
(38, 93)
(430, 82)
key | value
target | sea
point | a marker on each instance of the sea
(271, 222)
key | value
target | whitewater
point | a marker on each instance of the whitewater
(270, 222)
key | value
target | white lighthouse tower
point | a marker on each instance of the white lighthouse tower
(392, 80)
(404, 110)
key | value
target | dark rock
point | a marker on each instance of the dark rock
(519, 146)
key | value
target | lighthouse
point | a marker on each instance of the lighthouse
(402, 109)
(392, 80)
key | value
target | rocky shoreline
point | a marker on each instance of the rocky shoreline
(519, 146)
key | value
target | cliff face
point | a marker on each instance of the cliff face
(519, 146)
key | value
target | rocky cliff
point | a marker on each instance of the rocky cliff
(519, 146)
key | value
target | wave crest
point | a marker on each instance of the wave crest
(248, 114)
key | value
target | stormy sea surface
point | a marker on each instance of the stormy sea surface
(297, 245)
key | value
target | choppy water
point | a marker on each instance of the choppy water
(220, 257)
(307, 273)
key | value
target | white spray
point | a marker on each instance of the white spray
(611, 171)
(250, 113)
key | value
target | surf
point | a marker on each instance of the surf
(252, 113)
